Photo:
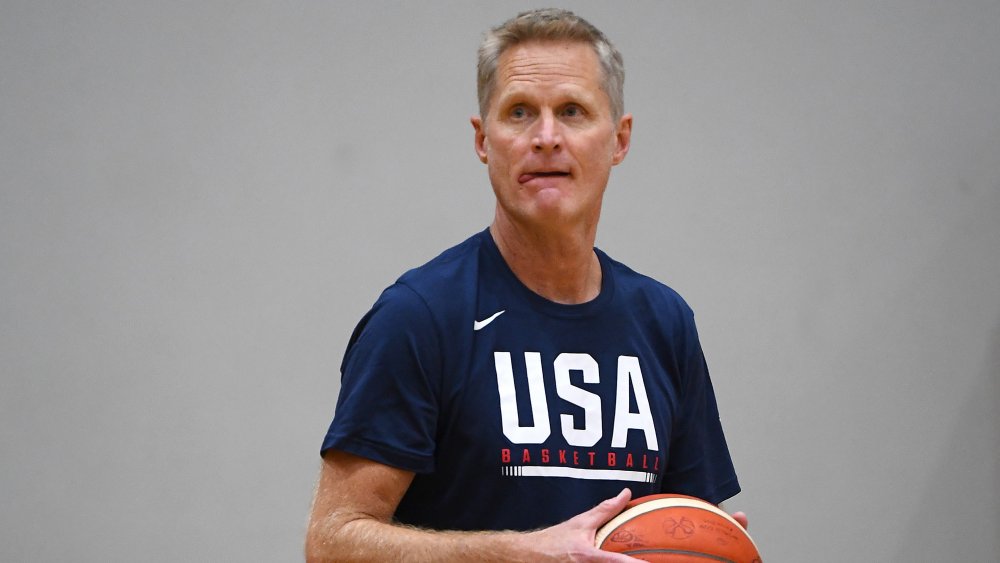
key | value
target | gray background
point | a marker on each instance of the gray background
(199, 200)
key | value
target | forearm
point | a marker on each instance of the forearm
(367, 539)
(356, 499)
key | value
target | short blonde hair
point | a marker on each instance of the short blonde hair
(552, 25)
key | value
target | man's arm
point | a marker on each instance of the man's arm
(352, 512)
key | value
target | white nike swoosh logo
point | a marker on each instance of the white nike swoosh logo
(476, 325)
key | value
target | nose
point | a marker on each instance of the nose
(547, 136)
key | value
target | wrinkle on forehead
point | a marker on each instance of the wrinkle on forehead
(535, 71)
(530, 63)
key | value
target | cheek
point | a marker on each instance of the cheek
(498, 170)
(597, 158)
(504, 151)
(599, 144)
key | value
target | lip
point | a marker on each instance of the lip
(527, 177)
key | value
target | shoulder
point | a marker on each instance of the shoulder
(658, 309)
(440, 274)
(640, 290)
(431, 293)
(447, 284)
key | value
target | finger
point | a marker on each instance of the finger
(609, 557)
(607, 510)
(741, 517)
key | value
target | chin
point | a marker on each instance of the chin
(551, 215)
(547, 207)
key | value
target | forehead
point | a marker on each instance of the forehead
(549, 63)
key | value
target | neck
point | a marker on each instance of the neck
(560, 266)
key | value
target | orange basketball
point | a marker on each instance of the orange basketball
(677, 529)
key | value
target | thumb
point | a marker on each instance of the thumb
(607, 510)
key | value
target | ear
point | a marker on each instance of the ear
(623, 139)
(480, 142)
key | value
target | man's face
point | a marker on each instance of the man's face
(549, 140)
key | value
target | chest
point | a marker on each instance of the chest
(583, 398)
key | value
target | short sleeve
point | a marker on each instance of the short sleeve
(698, 462)
(387, 410)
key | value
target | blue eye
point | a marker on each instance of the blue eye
(572, 111)
(518, 112)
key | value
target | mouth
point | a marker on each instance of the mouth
(529, 176)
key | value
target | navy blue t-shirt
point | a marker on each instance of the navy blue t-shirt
(516, 412)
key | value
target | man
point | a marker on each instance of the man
(521, 377)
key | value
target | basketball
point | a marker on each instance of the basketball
(677, 529)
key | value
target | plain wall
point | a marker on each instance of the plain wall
(200, 199)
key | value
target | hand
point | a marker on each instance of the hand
(741, 517)
(573, 540)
